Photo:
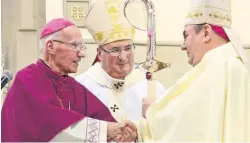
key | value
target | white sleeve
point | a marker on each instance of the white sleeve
(86, 130)
(160, 89)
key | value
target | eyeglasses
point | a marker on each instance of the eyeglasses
(116, 51)
(77, 46)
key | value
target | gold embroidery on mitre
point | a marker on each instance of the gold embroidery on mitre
(219, 16)
(117, 33)
(113, 8)
(194, 14)
(215, 15)
(99, 36)
(117, 30)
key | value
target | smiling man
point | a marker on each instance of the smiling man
(210, 103)
(193, 42)
(114, 80)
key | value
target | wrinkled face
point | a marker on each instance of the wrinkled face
(117, 58)
(193, 42)
(66, 50)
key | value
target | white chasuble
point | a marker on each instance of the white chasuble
(122, 97)
(211, 103)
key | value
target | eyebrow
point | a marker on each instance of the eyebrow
(184, 33)
(81, 41)
(128, 45)
(115, 47)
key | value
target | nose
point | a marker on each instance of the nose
(122, 55)
(183, 47)
(81, 54)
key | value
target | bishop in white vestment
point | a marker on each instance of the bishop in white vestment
(211, 102)
(114, 80)
(122, 97)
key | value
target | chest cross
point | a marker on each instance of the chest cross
(114, 108)
(119, 84)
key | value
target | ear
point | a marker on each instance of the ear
(99, 53)
(50, 47)
(207, 30)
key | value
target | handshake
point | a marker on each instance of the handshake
(122, 132)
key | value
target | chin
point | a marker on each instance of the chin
(126, 70)
(123, 73)
(190, 62)
(73, 70)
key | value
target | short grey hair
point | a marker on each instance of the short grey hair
(45, 39)
(198, 27)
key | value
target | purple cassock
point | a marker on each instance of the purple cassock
(41, 103)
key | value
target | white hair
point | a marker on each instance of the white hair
(45, 39)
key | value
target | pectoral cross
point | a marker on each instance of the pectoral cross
(119, 84)
(113, 108)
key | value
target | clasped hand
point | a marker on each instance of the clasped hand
(122, 132)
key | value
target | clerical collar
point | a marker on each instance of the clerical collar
(49, 71)
(116, 84)
(100, 76)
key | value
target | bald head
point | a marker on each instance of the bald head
(71, 33)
